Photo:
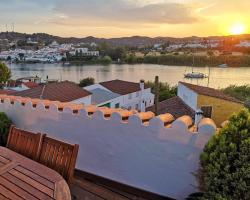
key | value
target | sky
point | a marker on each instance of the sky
(119, 18)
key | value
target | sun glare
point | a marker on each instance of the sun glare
(237, 29)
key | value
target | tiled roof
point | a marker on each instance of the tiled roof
(6, 91)
(100, 96)
(30, 84)
(210, 92)
(62, 91)
(14, 83)
(121, 87)
(175, 106)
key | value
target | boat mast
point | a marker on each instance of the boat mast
(193, 65)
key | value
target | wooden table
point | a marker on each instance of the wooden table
(22, 178)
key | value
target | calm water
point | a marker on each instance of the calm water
(172, 74)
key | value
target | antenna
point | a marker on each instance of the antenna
(6, 27)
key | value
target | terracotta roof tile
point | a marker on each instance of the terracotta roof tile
(210, 92)
(6, 91)
(30, 84)
(62, 91)
(121, 87)
(175, 106)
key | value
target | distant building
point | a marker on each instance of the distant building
(84, 51)
(121, 94)
(4, 44)
(243, 44)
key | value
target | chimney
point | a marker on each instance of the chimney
(142, 83)
(198, 116)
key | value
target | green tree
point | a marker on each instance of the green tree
(240, 92)
(86, 82)
(5, 124)
(5, 74)
(165, 90)
(81, 53)
(225, 161)
(106, 60)
(210, 53)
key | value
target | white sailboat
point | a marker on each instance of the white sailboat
(195, 75)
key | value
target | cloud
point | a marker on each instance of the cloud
(129, 12)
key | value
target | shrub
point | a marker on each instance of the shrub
(5, 74)
(5, 124)
(105, 60)
(86, 82)
(165, 90)
(240, 92)
(226, 161)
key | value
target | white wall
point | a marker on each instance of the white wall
(95, 86)
(85, 100)
(124, 100)
(188, 96)
(154, 158)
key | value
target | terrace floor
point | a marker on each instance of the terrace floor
(89, 188)
(83, 189)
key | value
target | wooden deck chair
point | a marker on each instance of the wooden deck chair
(24, 142)
(59, 156)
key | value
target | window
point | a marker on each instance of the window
(207, 111)
(130, 96)
(117, 105)
(137, 94)
(136, 106)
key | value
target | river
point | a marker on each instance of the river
(219, 77)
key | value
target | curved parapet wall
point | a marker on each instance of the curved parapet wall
(155, 153)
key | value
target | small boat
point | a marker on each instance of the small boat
(194, 75)
(197, 75)
(66, 63)
(223, 66)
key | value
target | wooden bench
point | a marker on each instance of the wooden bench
(55, 154)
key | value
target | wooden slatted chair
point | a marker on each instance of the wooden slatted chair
(59, 156)
(24, 142)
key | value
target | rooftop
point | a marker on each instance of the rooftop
(9, 92)
(60, 91)
(121, 87)
(207, 91)
(175, 106)
(31, 84)
(101, 96)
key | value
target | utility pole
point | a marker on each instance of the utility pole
(156, 94)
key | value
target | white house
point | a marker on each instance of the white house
(84, 51)
(121, 94)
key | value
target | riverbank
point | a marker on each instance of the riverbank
(187, 60)
(164, 59)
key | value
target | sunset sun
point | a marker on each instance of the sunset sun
(237, 29)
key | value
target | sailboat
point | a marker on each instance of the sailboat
(194, 75)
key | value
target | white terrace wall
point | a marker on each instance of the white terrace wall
(154, 158)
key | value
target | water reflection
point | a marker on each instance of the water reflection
(218, 77)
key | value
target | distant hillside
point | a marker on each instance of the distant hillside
(123, 41)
